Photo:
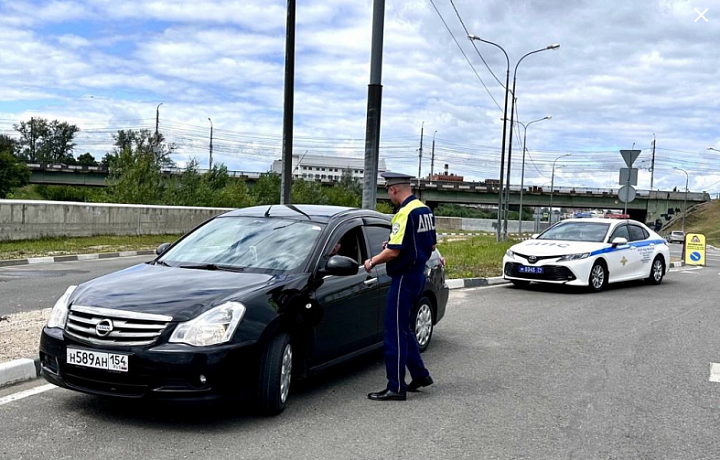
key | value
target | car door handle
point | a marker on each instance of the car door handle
(370, 282)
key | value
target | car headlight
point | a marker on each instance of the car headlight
(59, 312)
(212, 327)
(574, 257)
(509, 253)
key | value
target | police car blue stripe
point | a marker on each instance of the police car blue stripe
(638, 244)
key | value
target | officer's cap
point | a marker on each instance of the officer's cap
(392, 178)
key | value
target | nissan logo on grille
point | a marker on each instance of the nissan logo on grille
(532, 259)
(104, 328)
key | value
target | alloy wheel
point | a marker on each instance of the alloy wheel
(286, 373)
(423, 325)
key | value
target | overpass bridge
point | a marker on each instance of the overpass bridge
(648, 205)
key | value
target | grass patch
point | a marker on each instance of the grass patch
(476, 257)
(704, 220)
(80, 245)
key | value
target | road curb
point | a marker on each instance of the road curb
(19, 370)
(676, 264)
(74, 258)
(463, 283)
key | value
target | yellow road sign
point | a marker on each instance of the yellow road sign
(694, 250)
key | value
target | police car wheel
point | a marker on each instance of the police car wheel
(598, 276)
(423, 323)
(520, 283)
(657, 272)
(275, 375)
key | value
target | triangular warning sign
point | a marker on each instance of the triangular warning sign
(695, 239)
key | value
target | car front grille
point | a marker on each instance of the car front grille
(550, 273)
(120, 328)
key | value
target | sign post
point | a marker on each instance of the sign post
(694, 249)
(628, 176)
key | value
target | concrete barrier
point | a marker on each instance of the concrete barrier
(450, 224)
(20, 219)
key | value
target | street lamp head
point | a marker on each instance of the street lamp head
(473, 37)
(549, 117)
(554, 46)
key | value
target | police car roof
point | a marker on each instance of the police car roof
(601, 220)
(313, 213)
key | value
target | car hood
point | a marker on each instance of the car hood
(178, 292)
(545, 248)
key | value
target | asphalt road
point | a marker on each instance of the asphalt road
(32, 287)
(544, 373)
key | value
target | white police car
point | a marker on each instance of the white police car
(589, 252)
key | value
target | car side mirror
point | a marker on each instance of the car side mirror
(619, 241)
(162, 248)
(340, 266)
(534, 236)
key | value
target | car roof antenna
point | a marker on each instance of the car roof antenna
(297, 210)
(267, 213)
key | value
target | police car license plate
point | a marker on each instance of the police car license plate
(97, 360)
(532, 270)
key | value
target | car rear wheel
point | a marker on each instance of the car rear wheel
(657, 271)
(598, 276)
(520, 283)
(275, 375)
(423, 323)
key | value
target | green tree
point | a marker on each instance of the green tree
(46, 142)
(86, 159)
(136, 169)
(13, 173)
(267, 189)
(217, 178)
(190, 189)
(384, 207)
(308, 192)
(8, 144)
(235, 194)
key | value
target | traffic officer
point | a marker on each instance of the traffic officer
(412, 241)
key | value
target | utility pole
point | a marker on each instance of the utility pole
(286, 179)
(372, 129)
(211, 136)
(652, 165)
(422, 130)
(432, 158)
(157, 124)
(32, 139)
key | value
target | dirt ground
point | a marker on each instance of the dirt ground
(20, 334)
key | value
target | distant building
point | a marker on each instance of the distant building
(326, 168)
(447, 176)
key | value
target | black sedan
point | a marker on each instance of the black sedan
(236, 307)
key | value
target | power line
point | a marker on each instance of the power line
(465, 55)
(467, 33)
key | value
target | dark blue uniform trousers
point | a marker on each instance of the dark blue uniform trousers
(401, 347)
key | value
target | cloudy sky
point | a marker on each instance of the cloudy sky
(624, 71)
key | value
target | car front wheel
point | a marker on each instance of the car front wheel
(423, 323)
(275, 375)
(598, 277)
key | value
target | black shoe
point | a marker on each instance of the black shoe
(419, 383)
(387, 395)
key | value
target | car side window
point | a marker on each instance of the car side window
(636, 233)
(350, 244)
(620, 232)
(377, 235)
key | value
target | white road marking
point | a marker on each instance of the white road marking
(715, 372)
(27, 393)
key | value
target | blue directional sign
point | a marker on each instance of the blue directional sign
(696, 256)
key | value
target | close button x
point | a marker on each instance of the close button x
(702, 15)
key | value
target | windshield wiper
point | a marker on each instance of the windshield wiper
(228, 268)
(162, 262)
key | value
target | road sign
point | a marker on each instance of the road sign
(694, 249)
(633, 172)
(627, 194)
(630, 156)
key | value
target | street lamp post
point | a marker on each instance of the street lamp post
(504, 135)
(512, 116)
(522, 174)
(687, 179)
(552, 185)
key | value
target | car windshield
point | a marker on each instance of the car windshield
(577, 231)
(240, 243)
